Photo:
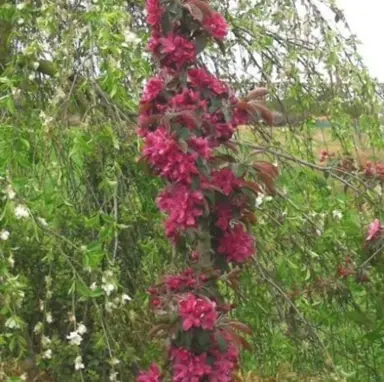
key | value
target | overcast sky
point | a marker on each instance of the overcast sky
(366, 19)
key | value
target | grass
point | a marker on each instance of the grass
(319, 139)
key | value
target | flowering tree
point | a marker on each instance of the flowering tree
(187, 118)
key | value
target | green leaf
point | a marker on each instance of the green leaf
(200, 42)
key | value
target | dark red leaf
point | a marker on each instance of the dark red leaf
(267, 173)
(241, 327)
(255, 94)
(253, 187)
(195, 11)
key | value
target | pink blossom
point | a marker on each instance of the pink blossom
(154, 43)
(374, 229)
(224, 213)
(197, 312)
(237, 244)
(216, 25)
(185, 280)
(164, 153)
(201, 147)
(183, 207)
(202, 79)
(152, 375)
(217, 127)
(173, 50)
(226, 180)
(187, 100)
(153, 88)
(239, 117)
(224, 365)
(155, 11)
(188, 367)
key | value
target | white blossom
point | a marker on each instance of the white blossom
(11, 261)
(79, 363)
(38, 327)
(259, 200)
(20, 21)
(47, 354)
(113, 376)
(21, 212)
(36, 65)
(12, 323)
(48, 280)
(74, 338)
(23, 377)
(20, 6)
(114, 361)
(42, 221)
(10, 192)
(81, 328)
(48, 317)
(109, 306)
(108, 288)
(131, 37)
(337, 214)
(4, 235)
(45, 341)
(32, 76)
(125, 298)
(93, 286)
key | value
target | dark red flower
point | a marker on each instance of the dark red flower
(201, 147)
(226, 180)
(163, 152)
(217, 126)
(187, 100)
(183, 207)
(153, 88)
(216, 25)
(152, 375)
(237, 245)
(154, 11)
(188, 367)
(173, 50)
(224, 213)
(202, 79)
(185, 280)
(197, 312)
(224, 365)
(239, 117)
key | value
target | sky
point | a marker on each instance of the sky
(366, 20)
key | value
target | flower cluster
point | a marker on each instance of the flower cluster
(183, 207)
(197, 312)
(153, 375)
(236, 244)
(186, 114)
